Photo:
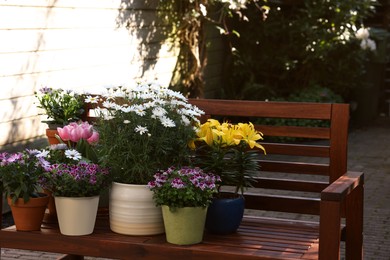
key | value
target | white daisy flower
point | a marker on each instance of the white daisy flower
(126, 109)
(141, 130)
(185, 120)
(91, 99)
(73, 154)
(158, 112)
(126, 121)
(108, 104)
(139, 110)
(42, 154)
(167, 122)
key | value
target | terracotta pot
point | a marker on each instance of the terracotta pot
(50, 213)
(50, 133)
(28, 216)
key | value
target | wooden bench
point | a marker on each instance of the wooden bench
(303, 177)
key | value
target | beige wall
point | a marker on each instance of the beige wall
(78, 44)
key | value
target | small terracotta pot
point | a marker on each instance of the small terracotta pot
(51, 213)
(50, 133)
(28, 216)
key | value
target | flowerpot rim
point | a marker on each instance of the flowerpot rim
(20, 201)
(131, 184)
(229, 196)
(182, 207)
(41, 195)
(77, 198)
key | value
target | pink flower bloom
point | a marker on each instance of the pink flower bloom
(94, 138)
(74, 132)
(64, 133)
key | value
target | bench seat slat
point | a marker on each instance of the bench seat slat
(256, 237)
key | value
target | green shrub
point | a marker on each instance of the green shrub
(297, 47)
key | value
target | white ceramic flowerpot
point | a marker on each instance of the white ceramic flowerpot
(76, 216)
(133, 211)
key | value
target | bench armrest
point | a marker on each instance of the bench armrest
(339, 189)
(343, 196)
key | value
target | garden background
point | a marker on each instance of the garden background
(92, 44)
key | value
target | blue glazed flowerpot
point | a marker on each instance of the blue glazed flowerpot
(224, 215)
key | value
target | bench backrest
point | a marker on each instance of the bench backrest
(301, 164)
(297, 167)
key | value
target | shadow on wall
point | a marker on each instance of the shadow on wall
(143, 20)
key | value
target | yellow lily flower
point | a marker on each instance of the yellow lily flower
(205, 134)
(250, 135)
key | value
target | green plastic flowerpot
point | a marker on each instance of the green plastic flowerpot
(184, 226)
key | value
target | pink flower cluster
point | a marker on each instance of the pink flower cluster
(184, 177)
(76, 131)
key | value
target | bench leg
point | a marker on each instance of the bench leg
(354, 225)
(330, 221)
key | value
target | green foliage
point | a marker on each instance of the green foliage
(60, 106)
(20, 173)
(237, 166)
(186, 24)
(299, 46)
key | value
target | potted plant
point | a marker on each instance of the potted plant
(76, 193)
(19, 175)
(231, 151)
(61, 107)
(143, 128)
(77, 142)
(184, 194)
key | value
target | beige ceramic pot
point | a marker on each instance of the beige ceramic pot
(133, 211)
(76, 216)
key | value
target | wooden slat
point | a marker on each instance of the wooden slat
(288, 184)
(295, 131)
(264, 109)
(282, 203)
(339, 141)
(294, 167)
(296, 149)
